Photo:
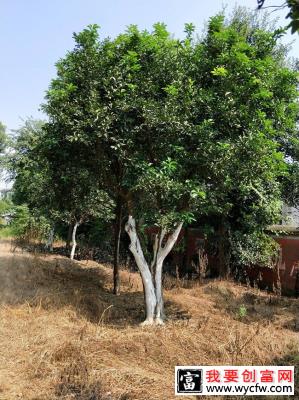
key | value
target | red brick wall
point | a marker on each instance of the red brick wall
(289, 261)
(289, 264)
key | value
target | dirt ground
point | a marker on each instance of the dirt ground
(64, 335)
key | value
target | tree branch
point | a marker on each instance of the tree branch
(170, 242)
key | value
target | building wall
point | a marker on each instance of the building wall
(191, 240)
(290, 216)
(289, 264)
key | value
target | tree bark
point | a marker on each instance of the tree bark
(162, 253)
(117, 234)
(49, 244)
(74, 243)
(152, 275)
(278, 288)
(149, 290)
(160, 316)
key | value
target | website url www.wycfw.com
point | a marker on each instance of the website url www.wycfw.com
(234, 380)
(254, 389)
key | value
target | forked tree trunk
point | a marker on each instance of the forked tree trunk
(117, 233)
(152, 275)
(74, 243)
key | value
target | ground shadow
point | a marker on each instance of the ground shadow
(291, 359)
(55, 283)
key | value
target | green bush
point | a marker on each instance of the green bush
(28, 226)
(254, 249)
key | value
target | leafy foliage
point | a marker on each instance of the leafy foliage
(28, 169)
(252, 250)
(247, 95)
(3, 145)
(26, 225)
(127, 134)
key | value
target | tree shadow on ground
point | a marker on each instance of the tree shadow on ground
(291, 359)
(76, 379)
(57, 283)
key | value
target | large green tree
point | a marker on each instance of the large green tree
(172, 130)
(113, 111)
(247, 94)
(28, 170)
(55, 196)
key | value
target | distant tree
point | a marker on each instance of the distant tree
(27, 169)
(3, 138)
(79, 116)
(3, 145)
(293, 13)
(46, 193)
(32, 190)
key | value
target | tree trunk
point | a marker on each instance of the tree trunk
(160, 316)
(200, 264)
(185, 267)
(69, 236)
(49, 244)
(223, 249)
(277, 284)
(117, 234)
(152, 275)
(74, 243)
(149, 290)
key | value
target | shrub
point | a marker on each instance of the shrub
(254, 249)
(26, 225)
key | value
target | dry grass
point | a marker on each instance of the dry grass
(64, 335)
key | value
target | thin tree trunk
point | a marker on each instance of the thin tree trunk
(223, 250)
(49, 244)
(200, 265)
(69, 236)
(74, 243)
(278, 261)
(117, 234)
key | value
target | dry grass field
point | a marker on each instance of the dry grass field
(64, 335)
